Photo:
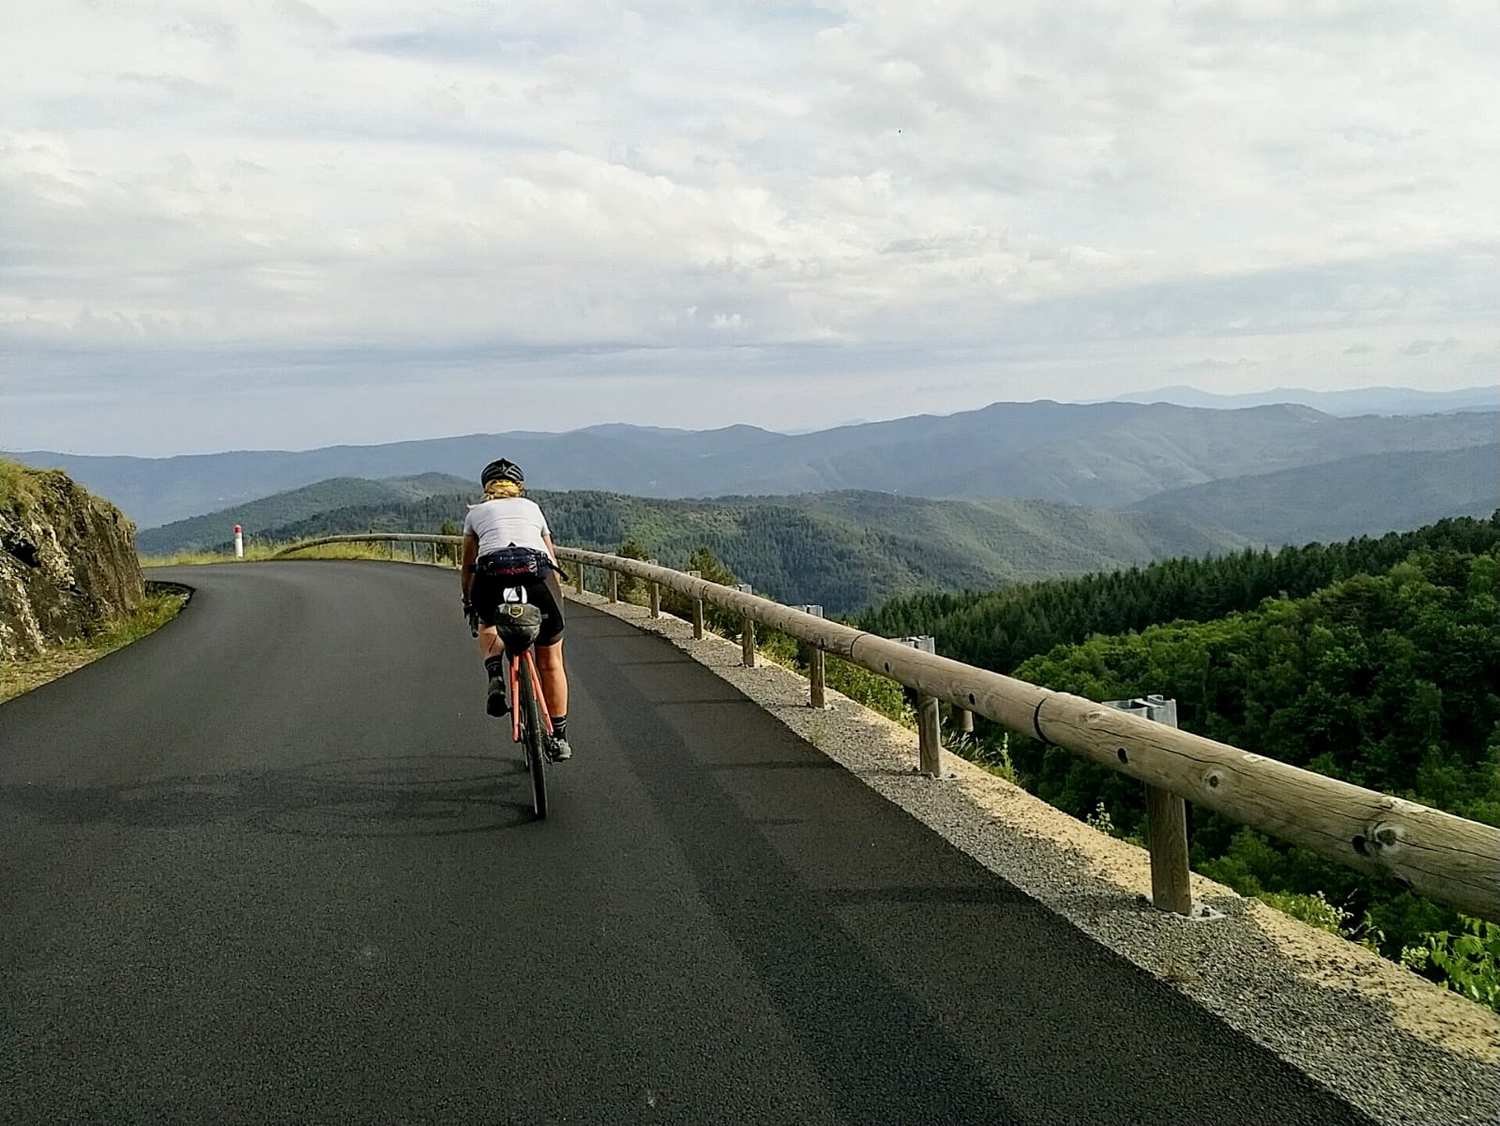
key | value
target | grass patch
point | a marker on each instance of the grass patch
(253, 553)
(17, 484)
(161, 605)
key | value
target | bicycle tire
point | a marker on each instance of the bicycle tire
(536, 755)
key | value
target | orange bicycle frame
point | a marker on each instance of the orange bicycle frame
(536, 691)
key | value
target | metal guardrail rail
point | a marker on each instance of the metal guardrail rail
(1440, 855)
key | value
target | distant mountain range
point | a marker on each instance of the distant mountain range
(844, 550)
(1337, 500)
(1096, 455)
(1356, 401)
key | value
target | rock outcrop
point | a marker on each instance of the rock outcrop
(67, 561)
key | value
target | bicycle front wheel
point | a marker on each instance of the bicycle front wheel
(532, 734)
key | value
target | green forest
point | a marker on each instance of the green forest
(1000, 629)
(845, 550)
(1376, 661)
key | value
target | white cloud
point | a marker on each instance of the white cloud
(1005, 196)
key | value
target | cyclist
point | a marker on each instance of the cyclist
(507, 543)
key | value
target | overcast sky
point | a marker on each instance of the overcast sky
(283, 223)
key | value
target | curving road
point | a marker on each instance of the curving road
(273, 864)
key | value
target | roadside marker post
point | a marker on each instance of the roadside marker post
(1166, 822)
(815, 668)
(697, 610)
(747, 631)
(239, 542)
(929, 718)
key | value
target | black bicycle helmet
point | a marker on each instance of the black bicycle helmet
(502, 470)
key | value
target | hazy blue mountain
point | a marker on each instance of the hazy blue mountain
(1161, 447)
(1105, 454)
(1354, 401)
(1337, 500)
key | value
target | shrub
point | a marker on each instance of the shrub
(1469, 961)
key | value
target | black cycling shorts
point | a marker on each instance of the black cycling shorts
(487, 592)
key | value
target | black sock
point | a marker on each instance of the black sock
(560, 726)
(495, 666)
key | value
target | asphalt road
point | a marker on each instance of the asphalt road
(274, 864)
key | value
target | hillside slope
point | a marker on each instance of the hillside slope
(844, 550)
(1350, 497)
(1100, 454)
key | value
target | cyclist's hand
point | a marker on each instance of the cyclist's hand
(471, 615)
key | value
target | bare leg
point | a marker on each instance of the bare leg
(489, 642)
(549, 667)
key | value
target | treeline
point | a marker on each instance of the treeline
(999, 630)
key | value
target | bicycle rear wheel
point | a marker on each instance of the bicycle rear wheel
(532, 736)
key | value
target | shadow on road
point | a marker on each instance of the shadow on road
(384, 796)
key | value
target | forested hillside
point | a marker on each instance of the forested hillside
(1390, 681)
(844, 550)
(1000, 629)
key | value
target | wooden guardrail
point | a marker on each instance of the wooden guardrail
(1444, 857)
(392, 538)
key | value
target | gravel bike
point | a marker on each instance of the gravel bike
(518, 624)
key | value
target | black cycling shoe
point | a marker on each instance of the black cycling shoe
(495, 703)
(559, 750)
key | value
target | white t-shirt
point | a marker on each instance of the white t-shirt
(505, 521)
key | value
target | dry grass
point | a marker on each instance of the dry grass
(19, 676)
(17, 484)
(256, 553)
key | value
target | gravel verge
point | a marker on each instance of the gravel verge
(1397, 1046)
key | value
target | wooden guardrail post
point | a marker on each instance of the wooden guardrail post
(655, 591)
(1166, 821)
(578, 578)
(747, 631)
(929, 718)
(614, 585)
(815, 664)
(697, 610)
